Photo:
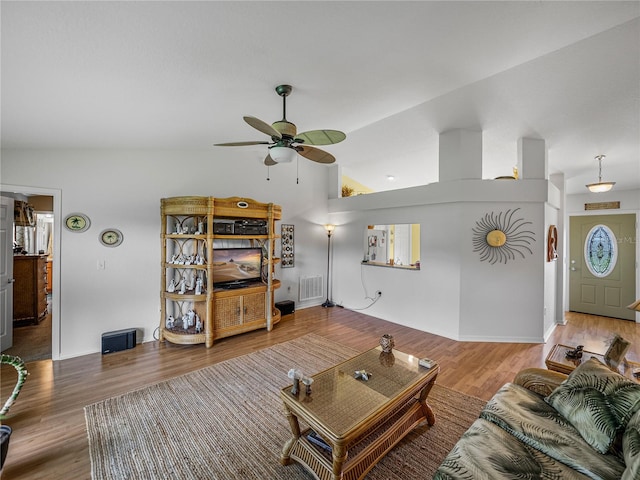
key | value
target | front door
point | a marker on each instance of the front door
(602, 266)
(6, 273)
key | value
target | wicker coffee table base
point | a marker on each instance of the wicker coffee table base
(352, 459)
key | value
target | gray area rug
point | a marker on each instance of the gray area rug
(226, 421)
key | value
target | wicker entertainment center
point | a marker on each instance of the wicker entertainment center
(198, 302)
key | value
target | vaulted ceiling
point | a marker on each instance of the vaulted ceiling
(392, 75)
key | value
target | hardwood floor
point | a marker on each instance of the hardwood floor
(50, 440)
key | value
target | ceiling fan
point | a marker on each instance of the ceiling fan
(285, 142)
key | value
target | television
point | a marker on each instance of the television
(233, 267)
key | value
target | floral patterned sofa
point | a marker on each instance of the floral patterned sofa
(549, 425)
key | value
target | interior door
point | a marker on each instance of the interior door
(6, 273)
(602, 266)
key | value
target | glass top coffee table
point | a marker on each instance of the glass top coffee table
(349, 423)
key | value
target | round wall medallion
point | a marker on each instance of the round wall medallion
(77, 222)
(111, 237)
(496, 238)
(500, 237)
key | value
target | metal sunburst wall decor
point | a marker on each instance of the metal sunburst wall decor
(499, 237)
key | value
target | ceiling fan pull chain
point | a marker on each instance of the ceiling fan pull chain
(297, 170)
(268, 170)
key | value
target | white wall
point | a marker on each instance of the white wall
(122, 189)
(454, 294)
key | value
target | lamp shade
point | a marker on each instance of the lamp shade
(329, 228)
(282, 154)
(600, 187)
(635, 306)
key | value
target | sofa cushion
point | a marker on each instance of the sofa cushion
(487, 452)
(525, 415)
(631, 448)
(597, 401)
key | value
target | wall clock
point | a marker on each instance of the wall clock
(111, 237)
(77, 222)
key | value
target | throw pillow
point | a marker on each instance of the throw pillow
(597, 402)
(631, 448)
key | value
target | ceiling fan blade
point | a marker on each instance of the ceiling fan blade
(239, 144)
(264, 127)
(315, 154)
(321, 137)
(269, 162)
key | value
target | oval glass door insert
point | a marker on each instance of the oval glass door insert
(600, 251)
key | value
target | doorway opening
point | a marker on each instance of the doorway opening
(36, 335)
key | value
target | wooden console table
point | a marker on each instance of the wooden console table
(358, 421)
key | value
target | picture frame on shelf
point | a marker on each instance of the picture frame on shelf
(614, 355)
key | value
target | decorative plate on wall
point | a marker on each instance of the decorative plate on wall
(111, 237)
(77, 222)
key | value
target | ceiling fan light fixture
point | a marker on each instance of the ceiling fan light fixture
(600, 186)
(282, 154)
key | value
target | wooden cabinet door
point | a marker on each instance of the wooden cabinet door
(228, 313)
(253, 307)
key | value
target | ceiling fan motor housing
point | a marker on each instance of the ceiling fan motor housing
(285, 128)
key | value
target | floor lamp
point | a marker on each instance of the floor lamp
(329, 228)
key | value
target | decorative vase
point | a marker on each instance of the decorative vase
(387, 343)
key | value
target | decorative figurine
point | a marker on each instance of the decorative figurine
(192, 282)
(191, 317)
(199, 286)
(307, 383)
(363, 375)
(387, 343)
(170, 321)
(296, 376)
(185, 322)
(183, 286)
(575, 354)
(198, 324)
(172, 286)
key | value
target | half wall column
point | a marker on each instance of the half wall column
(460, 155)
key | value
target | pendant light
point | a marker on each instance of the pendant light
(600, 186)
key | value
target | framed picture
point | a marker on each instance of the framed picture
(616, 351)
(286, 248)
